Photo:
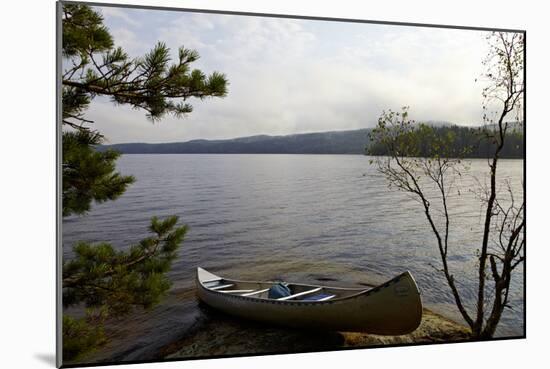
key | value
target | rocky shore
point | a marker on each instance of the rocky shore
(182, 327)
(222, 336)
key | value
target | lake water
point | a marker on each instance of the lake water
(298, 217)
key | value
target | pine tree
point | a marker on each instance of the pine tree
(89, 174)
(96, 67)
(107, 281)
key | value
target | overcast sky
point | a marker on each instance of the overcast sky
(291, 76)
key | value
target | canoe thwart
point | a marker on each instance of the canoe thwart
(300, 294)
(255, 292)
(319, 297)
(235, 291)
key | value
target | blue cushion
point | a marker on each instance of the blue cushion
(278, 290)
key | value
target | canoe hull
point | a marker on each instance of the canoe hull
(393, 308)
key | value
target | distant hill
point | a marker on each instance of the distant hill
(437, 123)
(336, 142)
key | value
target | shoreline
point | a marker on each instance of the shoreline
(226, 336)
(214, 334)
(194, 330)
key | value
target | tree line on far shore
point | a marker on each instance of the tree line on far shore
(458, 142)
(469, 142)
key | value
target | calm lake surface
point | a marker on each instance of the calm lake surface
(300, 217)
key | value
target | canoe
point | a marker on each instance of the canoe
(392, 308)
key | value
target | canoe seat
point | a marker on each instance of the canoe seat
(212, 280)
(318, 297)
(222, 287)
(212, 283)
(300, 294)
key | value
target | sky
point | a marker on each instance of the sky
(291, 76)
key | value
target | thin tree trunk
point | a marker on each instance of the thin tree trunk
(442, 248)
(501, 285)
(478, 324)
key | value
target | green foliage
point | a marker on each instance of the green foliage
(100, 276)
(112, 282)
(94, 66)
(83, 29)
(396, 134)
(109, 281)
(81, 335)
(150, 82)
(89, 175)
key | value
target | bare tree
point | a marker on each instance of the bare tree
(426, 165)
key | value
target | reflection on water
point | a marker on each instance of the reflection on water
(305, 218)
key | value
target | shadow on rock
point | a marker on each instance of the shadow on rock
(218, 334)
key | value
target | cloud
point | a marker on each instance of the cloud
(120, 13)
(288, 76)
(129, 41)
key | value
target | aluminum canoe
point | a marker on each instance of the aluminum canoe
(392, 308)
